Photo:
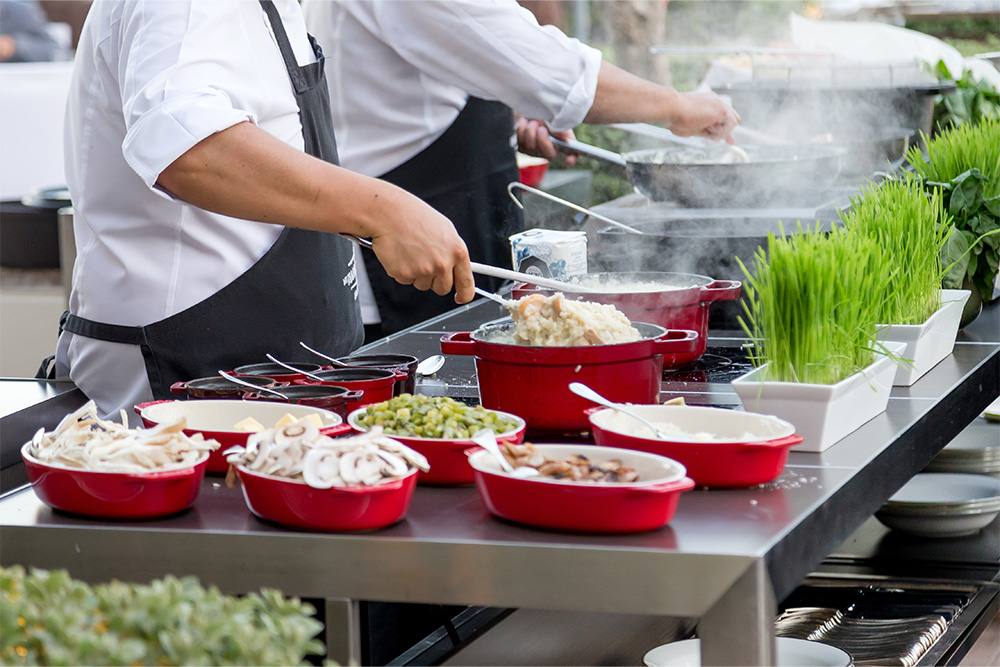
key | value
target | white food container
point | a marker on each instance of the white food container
(549, 253)
(928, 343)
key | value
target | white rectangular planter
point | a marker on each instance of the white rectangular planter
(822, 413)
(928, 343)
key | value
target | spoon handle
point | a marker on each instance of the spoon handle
(233, 378)
(294, 369)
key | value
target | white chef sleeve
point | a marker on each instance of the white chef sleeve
(496, 50)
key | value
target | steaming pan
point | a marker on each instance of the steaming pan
(688, 175)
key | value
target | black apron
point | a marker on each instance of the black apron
(303, 289)
(464, 175)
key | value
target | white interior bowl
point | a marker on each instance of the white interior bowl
(723, 425)
(222, 415)
(790, 653)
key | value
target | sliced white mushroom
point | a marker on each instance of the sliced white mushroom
(392, 465)
(321, 469)
(300, 431)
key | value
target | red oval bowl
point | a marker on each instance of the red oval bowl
(531, 170)
(585, 507)
(447, 457)
(114, 495)
(351, 508)
(734, 461)
(215, 419)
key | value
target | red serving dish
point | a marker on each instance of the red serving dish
(114, 495)
(215, 420)
(328, 397)
(685, 306)
(585, 507)
(219, 387)
(448, 458)
(346, 508)
(533, 382)
(752, 448)
(375, 384)
(531, 170)
(403, 363)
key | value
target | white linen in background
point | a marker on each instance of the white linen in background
(152, 79)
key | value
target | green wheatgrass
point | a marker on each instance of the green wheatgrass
(910, 229)
(959, 149)
(811, 302)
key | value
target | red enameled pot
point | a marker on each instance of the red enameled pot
(345, 508)
(277, 371)
(215, 420)
(218, 387)
(376, 384)
(585, 506)
(749, 449)
(330, 398)
(682, 302)
(533, 382)
(114, 495)
(404, 363)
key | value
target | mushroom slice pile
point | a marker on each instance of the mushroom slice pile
(83, 440)
(577, 468)
(299, 452)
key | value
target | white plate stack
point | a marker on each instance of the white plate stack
(975, 450)
(938, 504)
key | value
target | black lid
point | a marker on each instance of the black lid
(223, 383)
(269, 368)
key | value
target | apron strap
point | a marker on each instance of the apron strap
(285, 46)
(112, 333)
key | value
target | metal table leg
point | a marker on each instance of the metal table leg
(739, 628)
(343, 631)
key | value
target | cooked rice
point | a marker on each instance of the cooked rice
(555, 321)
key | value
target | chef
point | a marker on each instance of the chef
(422, 98)
(201, 163)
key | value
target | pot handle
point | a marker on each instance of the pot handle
(400, 374)
(139, 407)
(459, 342)
(676, 341)
(675, 486)
(178, 388)
(354, 395)
(787, 441)
(721, 290)
(335, 431)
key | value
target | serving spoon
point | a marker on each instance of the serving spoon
(487, 439)
(333, 362)
(233, 378)
(309, 375)
(506, 303)
(430, 365)
(583, 390)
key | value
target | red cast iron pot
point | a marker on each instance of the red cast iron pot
(447, 457)
(218, 387)
(682, 303)
(404, 363)
(330, 398)
(277, 371)
(114, 495)
(345, 508)
(733, 460)
(585, 506)
(215, 419)
(533, 382)
(376, 384)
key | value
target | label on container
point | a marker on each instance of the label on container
(549, 253)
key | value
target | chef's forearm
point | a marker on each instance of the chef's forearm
(244, 172)
(622, 97)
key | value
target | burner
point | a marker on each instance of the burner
(718, 364)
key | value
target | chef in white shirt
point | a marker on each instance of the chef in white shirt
(422, 98)
(201, 164)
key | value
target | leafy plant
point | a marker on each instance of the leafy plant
(812, 303)
(910, 230)
(962, 164)
(971, 102)
(47, 618)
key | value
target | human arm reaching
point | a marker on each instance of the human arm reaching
(244, 172)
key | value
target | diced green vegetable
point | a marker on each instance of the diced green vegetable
(432, 417)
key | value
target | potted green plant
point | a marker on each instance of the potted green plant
(910, 229)
(48, 618)
(811, 304)
(963, 165)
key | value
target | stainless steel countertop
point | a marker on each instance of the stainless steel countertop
(725, 557)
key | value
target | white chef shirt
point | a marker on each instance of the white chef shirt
(400, 72)
(151, 79)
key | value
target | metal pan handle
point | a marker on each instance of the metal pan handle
(574, 146)
(568, 204)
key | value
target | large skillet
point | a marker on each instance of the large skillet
(694, 178)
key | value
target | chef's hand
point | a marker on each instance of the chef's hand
(534, 138)
(425, 251)
(704, 114)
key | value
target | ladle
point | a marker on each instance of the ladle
(430, 365)
(493, 271)
(583, 390)
(309, 375)
(506, 303)
(333, 362)
(567, 204)
(233, 378)
(487, 439)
